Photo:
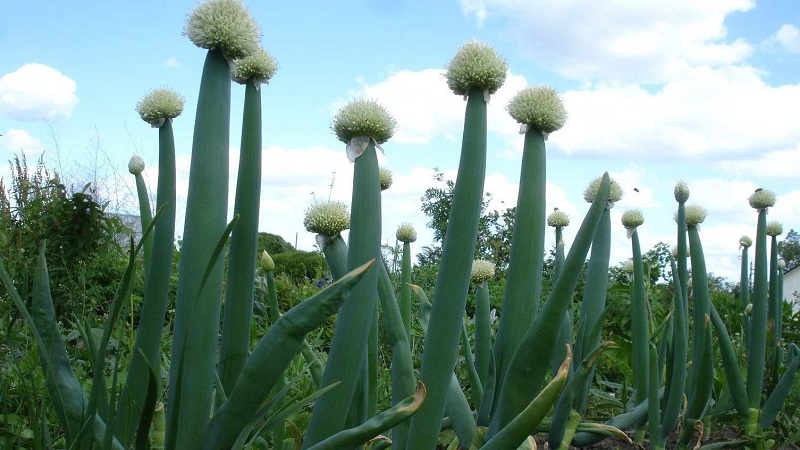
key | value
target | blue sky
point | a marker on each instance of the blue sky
(706, 92)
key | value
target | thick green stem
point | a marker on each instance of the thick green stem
(676, 376)
(744, 293)
(405, 290)
(238, 311)
(146, 216)
(194, 344)
(349, 345)
(774, 316)
(483, 332)
(452, 284)
(640, 330)
(758, 324)
(156, 293)
(524, 279)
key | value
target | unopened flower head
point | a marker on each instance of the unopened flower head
(363, 118)
(482, 270)
(327, 218)
(558, 219)
(136, 165)
(538, 107)
(774, 228)
(632, 218)
(762, 198)
(259, 65)
(745, 241)
(476, 65)
(627, 266)
(781, 264)
(614, 192)
(406, 233)
(386, 178)
(681, 192)
(267, 264)
(160, 105)
(225, 25)
(695, 215)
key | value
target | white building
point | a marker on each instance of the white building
(791, 287)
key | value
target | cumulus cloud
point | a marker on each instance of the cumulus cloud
(15, 140)
(786, 39)
(36, 92)
(776, 164)
(618, 39)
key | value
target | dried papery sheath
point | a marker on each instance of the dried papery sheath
(225, 25)
(476, 66)
(406, 233)
(539, 108)
(614, 194)
(160, 105)
(482, 270)
(681, 192)
(136, 165)
(259, 67)
(327, 218)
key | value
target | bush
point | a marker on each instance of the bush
(300, 266)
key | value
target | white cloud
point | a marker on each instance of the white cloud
(172, 62)
(619, 39)
(36, 92)
(16, 140)
(786, 39)
(777, 164)
(694, 116)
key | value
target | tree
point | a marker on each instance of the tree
(789, 250)
(494, 228)
(273, 243)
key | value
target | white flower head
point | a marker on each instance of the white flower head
(406, 233)
(223, 24)
(327, 218)
(482, 270)
(538, 107)
(160, 105)
(136, 165)
(476, 65)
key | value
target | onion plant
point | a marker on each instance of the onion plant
(136, 167)
(406, 234)
(559, 220)
(745, 242)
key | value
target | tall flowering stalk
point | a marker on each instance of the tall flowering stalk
(406, 234)
(136, 167)
(362, 125)
(227, 30)
(745, 242)
(252, 71)
(475, 72)
(559, 220)
(482, 271)
(775, 309)
(540, 112)
(158, 108)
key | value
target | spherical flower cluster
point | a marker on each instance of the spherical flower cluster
(267, 264)
(781, 264)
(406, 233)
(558, 219)
(627, 266)
(136, 165)
(762, 198)
(160, 105)
(363, 118)
(482, 270)
(614, 192)
(386, 178)
(681, 192)
(476, 65)
(223, 24)
(632, 218)
(259, 65)
(538, 107)
(695, 215)
(774, 228)
(745, 241)
(327, 218)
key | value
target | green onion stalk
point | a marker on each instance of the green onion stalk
(363, 125)
(702, 369)
(136, 167)
(226, 28)
(744, 282)
(252, 71)
(475, 72)
(482, 272)
(760, 200)
(594, 294)
(158, 108)
(531, 361)
(559, 220)
(540, 112)
(775, 309)
(640, 329)
(406, 234)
